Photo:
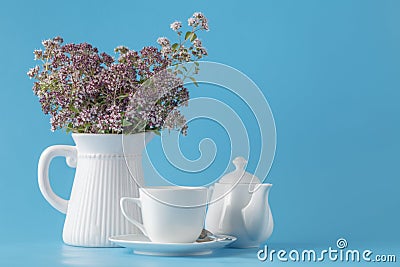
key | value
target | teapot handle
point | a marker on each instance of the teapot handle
(69, 152)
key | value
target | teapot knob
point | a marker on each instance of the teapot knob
(239, 163)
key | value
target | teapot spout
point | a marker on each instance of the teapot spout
(256, 215)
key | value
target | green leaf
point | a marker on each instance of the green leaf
(188, 35)
(194, 81)
(183, 67)
(175, 46)
(193, 37)
(126, 123)
(157, 132)
(196, 63)
(74, 109)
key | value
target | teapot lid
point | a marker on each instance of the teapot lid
(239, 175)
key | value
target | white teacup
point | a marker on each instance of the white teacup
(170, 214)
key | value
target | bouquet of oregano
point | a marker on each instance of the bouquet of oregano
(85, 91)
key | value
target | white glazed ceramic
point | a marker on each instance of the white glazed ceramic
(239, 207)
(140, 244)
(170, 214)
(103, 175)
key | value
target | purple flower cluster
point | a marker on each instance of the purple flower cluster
(191, 48)
(80, 88)
(155, 103)
(85, 91)
(198, 19)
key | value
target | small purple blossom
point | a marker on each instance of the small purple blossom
(38, 54)
(33, 72)
(108, 60)
(198, 19)
(176, 25)
(58, 39)
(121, 49)
(163, 41)
(197, 43)
(166, 51)
(191, 22)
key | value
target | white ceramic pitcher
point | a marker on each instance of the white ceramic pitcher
(108, 167)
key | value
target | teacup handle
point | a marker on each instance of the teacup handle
(69, 152)
(133, 221)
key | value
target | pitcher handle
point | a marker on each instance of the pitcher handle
(132, 220)
(69, 152)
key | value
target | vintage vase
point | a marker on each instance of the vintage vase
(108, 167)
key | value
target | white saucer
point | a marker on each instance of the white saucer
(142, 245)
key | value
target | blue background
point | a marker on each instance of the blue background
(330, 71)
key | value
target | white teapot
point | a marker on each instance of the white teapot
(239, 207)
